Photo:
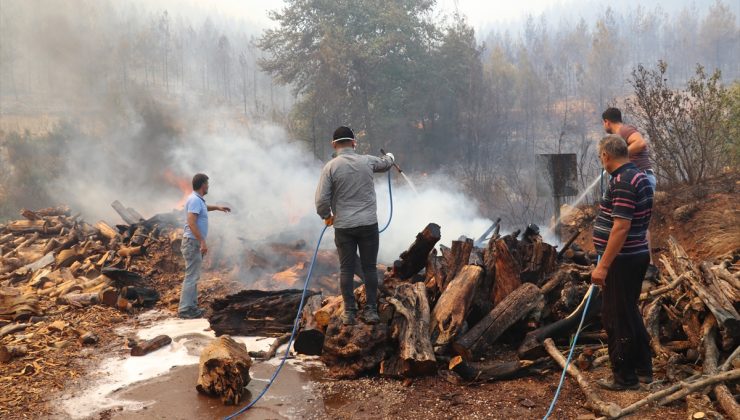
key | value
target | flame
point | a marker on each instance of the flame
(181, 183)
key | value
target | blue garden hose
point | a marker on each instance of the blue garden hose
(300, 310)
(589, 293)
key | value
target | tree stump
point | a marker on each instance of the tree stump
(453, 305)
(224, 370)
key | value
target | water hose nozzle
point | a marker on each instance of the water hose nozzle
(394, 163)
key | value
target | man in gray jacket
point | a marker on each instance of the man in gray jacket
(345, 198)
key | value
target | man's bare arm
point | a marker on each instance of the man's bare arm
(636, 143)
(220, 208)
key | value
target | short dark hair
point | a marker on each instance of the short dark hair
(344, 133)
(612, 114)
(199, 180)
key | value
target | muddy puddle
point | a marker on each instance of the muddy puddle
(161, 385)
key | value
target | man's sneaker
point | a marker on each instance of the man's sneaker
(193, 314)
(370, 314)
(348, 318)
(612, 385)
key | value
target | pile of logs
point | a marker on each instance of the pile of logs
(51, 258)
(451, 311)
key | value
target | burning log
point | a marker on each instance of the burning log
(310, 338)
(224, 370)
(453, 306)
(256, 312)
(410, 327)
(514, 307)
(415, 258)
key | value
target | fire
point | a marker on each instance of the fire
(182, 183)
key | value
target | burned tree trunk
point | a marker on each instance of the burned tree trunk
(532, 346)
(410, 326)
(224, 370)
(456, 257)
(452, 307)
(310, 338)
(507, 272)
(256, 312)
(351, 350)
(415, 258)
(147, 346)
(513, 308)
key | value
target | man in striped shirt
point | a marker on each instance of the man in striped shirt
(620, 239)
(637, 149)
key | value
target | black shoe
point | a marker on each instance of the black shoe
(348, 318)
(612, 385)
(645, 379)
(193, 314)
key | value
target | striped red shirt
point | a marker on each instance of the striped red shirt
(630, 197)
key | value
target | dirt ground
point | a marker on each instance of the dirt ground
(710, 227)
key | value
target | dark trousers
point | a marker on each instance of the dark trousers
(348, 241)
(629, 342)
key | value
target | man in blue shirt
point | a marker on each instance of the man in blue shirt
(194, 246)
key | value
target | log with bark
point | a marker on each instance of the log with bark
(513, 308)
(410, 327)
(507, 272)
(452, 307)
(310, 338)
(415, 257)
(491, 371)
(456, 257)
(145, 347)
(532, 345)
(256, 312)
(224, 370)
(352, 350)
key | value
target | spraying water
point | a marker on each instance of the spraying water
(411, 184)
(579, 199)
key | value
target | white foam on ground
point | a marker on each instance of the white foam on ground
(119, 372)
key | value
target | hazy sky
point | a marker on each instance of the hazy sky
(482, 14)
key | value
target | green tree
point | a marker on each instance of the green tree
(350, 62)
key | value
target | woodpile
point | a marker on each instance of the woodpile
(449, 311)
(51, 259)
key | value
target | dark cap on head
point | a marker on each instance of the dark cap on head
(343, 134)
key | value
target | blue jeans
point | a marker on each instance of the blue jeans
(653, 181)
(193, 259)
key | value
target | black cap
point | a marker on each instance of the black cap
(343, 134)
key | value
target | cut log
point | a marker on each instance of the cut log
(122, 211)
(652, 325)
(310, 338)
(453, 305)
(326, 312)
(456, 258)
(707, 291)
(107, 231)
(711, 355)
(410, 326)
(532, 345)
(538, 258)
(224, 370)
(12, 351)
(145, 347)
(593, 400)
(513, 308)
(486, 372)
(507, 272)
(435, 276)
(20, 227)
(352, 350)
(415, 257)
(131, 251)
(78, 299)
(256, 312)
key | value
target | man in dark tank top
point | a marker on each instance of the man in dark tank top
(639, 154)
